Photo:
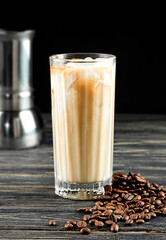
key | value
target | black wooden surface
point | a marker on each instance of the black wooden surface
(27, 199)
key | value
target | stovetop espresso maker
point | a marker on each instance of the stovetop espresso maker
(20, 121)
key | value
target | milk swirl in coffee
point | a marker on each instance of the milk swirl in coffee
(83, 119)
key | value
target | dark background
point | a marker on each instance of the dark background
(140, 48)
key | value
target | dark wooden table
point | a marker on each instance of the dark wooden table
(27, 199)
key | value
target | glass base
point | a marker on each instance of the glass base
(78, 191)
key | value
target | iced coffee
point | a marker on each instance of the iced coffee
(82, 93)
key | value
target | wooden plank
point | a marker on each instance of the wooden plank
(99, 235)
(27, 199)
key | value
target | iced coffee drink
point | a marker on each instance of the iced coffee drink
(82, 93)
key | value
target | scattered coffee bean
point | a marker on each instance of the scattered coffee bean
(152, 214)
(69, 226)
(147, 217)
(164, 212)
(81, 209)
(92, 221)
(115, 228)
(99, 224)
(140, 221)
(99, 203)
(146, 210)
(52, 223)
(129, 222)
(109, 222)
(86, 218)
(81, 224)
(161, 194)
(158, 202)
(85, 230)
(88, 210)
(134, 216)
(140, 204)
(72, 222)
(136, 198)
(140, 179)
(130, 198)
(125, 217)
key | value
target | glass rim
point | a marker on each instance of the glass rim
(83, 57)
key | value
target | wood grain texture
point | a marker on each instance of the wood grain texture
(27, 199)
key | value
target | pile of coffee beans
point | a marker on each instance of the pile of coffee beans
(130, 199)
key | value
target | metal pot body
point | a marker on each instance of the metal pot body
(16, 92)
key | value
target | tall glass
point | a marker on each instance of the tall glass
(82, 93)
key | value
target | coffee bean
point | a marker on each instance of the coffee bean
(133, 216)
(93, 216)
(102, 209)
(130, 197)
(147, 205)
(152, 200)
(68, 226)
(163, 208)
(102, 218)
(115, 195)
(109, 222)
(147, 217)
(155, 185)
(130, 211)
(81, 209)
(85, 230)
(81, 224)
(52, 223)
(88, 210)
(107, 212)
(108, 188)
(164, 212)
(105, 197)
(96, 212)
(125, 217)
(127, 195)
(140, 179)
(110, 207)
(137, 209)
(92, 221)
(118, 211)
(158, 202)
(140, 215)
(151, 207)
(99, 224)
(120, 175)
(136, 198)
(163, 189)
(119, 217)
(147, 184)
(140, 204)
(114, 228)
(152, 214)
(120, 190)
(145, 195)
(146, 210)
(140, 221)
(86, 218)
(129, 222)
(99, 203)
(72, 222)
